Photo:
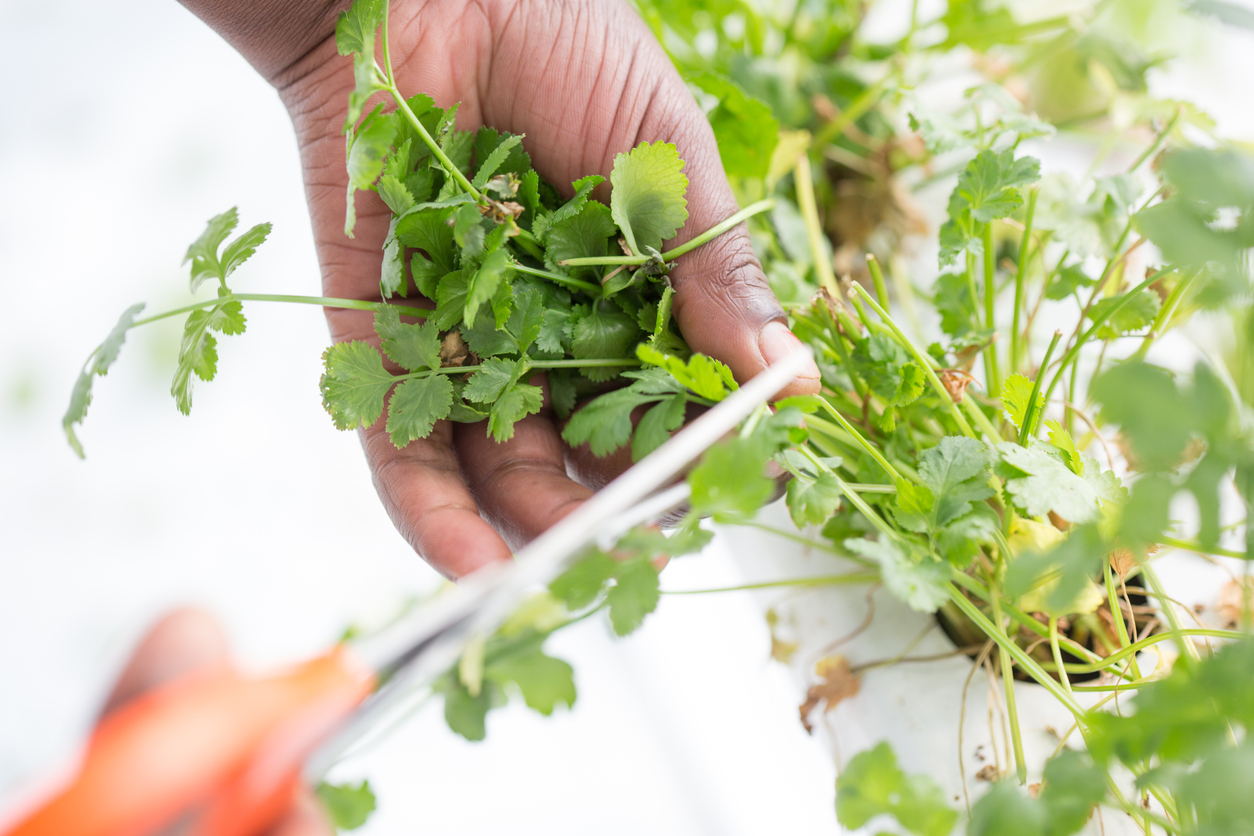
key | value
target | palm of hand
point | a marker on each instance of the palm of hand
(583, 82)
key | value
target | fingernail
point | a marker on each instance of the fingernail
(776, 342)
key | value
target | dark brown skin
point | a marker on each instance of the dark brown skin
(584, 81)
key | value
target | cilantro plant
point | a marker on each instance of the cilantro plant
(960, 451)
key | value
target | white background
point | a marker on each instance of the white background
(123, 127)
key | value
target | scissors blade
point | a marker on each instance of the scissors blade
(423, 645)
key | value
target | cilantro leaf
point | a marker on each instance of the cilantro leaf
(450, 299)
(366, 151)
(1136, 313)
(355, 27)
(812, 500)
(702, 374)
(1041, 482)
(1016, 392)
(873, 785)
(1061, 439)
(466, 713)
(647, 199)
(730, 482)
(1059, 577)
(412, 347)
(97, 365)
(488, 165)
(956, 471)
(634, 594)
(604, 332)
(583, 189)
(394, 193)
(203, 252)
(581, 234)
(580, 585)
(604, 424)
(544, 681)
(888, 369)
(657, 425)
(416, 405)
(514, 404)
(198, 352)
(354, 384)
(744, 127)
(487, 384)
(920, 583)
(988, 186)
(483, 285)
(347, 806)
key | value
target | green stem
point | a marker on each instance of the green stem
(533, 364)
(452, 170)
(558, 278)
(1021, 280)
(670, 255)
(1116, 614)
(1030, 416)
(1057, 652)
(821, 580)
(862, 442)
(1156, 144)
(1190, 546)
(1026, 662)
(1008, 680)
(322, 301)
(1149, 641)
(1165, 313)
(856, 110)
(857, 291)
(877, 276)
(1169, 611)
(1098, 322)
(991, 372)
(803, 180)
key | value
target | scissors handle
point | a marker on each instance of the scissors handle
(217, 753)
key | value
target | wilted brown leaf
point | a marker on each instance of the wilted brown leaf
(955, 382)
(781, 650)
(988, 772)
(453, 350)
(1232, 600)
(837, 682)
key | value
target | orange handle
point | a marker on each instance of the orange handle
(217, 753)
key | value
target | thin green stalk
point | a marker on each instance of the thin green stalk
(1149, 641)
(1165, 313)
(1169, 611)
(1116, 613)
(857, 291)
(670, 255)
(1021, 280)
(858, 437)
(877, 276)
(804, 541)
(1030, 417)
(1057, 652)
(1098, 322)
(558, 278)
(856, 110)
(1156, 144)
(803, 180)
(991, 371)
(452, 170)
(321, 301)
(1190, 546)
(847, 579)
(1008, 679)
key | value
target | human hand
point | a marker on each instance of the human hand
(182, 642)
(583, 81)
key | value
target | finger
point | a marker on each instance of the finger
(521, 484)
(430, 503)
(306, 818)
(183, 641)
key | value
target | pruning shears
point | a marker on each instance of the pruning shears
(223, 754)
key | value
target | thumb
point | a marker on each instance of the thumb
(723, 303)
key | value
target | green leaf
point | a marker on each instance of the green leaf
(487, 384)
(583, 189)
(395, 194)
(198, 352)
(483, 285)
(1006, 809)
(580, 585)
(920, 583)
(581, 234)
(354, 384)
(203, 252)
(634, 594)
(872, 784)
(1016, 393)
(347, 806)
(704, 375)
(416, 405)
(97, 365)
(647, 198)
(657, 425)
(1137, 312)
(744, 128)
(1067, 281)
(392, 274)
(989, 185)
(1061, 439)
(466, 714)
(957, 473)
(355, 28)
(888, 369)
(412, 347)
(604, 424)
(604, 332)
(1231, 14)
(730, 483)
(428, 232)
(489, 165)
(1059, 576)
(812, 501)
(1041, 482)
(450, 299)
(514, 404)
(366, 152)
(544, 681)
